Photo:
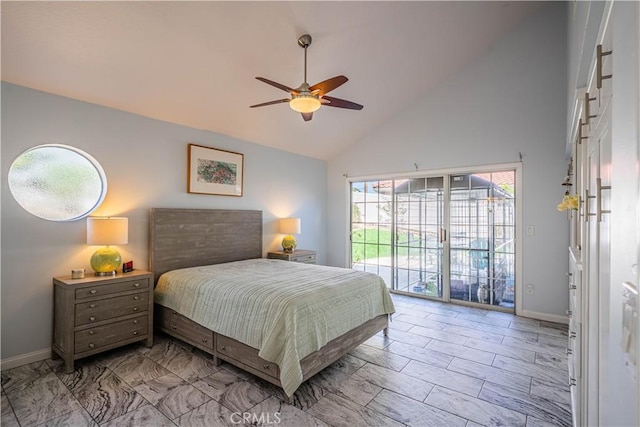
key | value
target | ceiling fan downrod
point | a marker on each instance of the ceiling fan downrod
(304, 42)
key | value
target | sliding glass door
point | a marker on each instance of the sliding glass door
(418, 226)
(449, 237)
(482, 238)
(371, 228)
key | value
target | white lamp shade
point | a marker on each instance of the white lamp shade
(107, 231)
(290, 225)
(305, 104)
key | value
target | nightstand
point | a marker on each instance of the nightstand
(299, 255)
(96, 314)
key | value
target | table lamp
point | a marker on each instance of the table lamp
(289, 226)
(107, 231)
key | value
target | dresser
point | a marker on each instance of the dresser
(300, 255)
(96, 314)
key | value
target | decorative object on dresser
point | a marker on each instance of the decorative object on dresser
(127, 267)
(107, 231)
(301, 255)
(289, 226)
(96, 314)
(214, 171)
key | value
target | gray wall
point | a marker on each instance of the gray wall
(146, 165)
(511, 100)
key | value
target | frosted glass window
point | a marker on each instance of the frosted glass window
(57, 182)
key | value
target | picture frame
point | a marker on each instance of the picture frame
(214, 171)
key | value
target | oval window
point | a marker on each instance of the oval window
(57, 182)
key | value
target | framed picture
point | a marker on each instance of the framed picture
(213, 171)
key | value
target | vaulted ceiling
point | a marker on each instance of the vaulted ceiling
(195, 63)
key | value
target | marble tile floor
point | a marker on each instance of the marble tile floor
(441, 365)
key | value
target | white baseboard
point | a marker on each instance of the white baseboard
(23, 359)
(545, 316)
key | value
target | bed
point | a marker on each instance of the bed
(281, 321)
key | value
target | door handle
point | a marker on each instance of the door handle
(443, 235)
(599, 210)
(587, 197)
(587, 109)
(599, 55)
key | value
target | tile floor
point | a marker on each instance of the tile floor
(442, 365)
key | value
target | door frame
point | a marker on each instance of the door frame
(517, 167)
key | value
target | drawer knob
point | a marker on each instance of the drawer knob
(136, 285)
(135, 322)
(136, 297)
(204, 340)
(92, 306)
(135, 308)
(222, 348)
(135, 332)
(92, 291)
(174, 327)
(92, 319)
(91, 345)
(572, 382)
(266, 367)
(92, 332)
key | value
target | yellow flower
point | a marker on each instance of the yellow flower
(569, 202)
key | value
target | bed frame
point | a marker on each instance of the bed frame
(181, 238)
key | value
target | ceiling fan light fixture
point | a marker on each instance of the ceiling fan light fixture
(305, 103)
(306, 99)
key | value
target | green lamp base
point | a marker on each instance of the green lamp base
(106, 261)
(289, 244)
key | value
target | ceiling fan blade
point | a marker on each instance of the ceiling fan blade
(279, 101)
(307, 116)
(341, 103)
(278, 85)
(328, 85)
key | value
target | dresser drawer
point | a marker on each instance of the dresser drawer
(248, 355)
(180, 326)
(307, 258)
(106, 289)
(191, 332)
(301, 255)
(108, 308)
(101, 336)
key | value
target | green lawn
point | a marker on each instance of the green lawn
(373, 243)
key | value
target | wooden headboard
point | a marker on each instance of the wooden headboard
(181, 238)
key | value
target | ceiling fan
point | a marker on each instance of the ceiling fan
(306, 99)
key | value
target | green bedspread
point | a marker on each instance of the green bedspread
(287, 310)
